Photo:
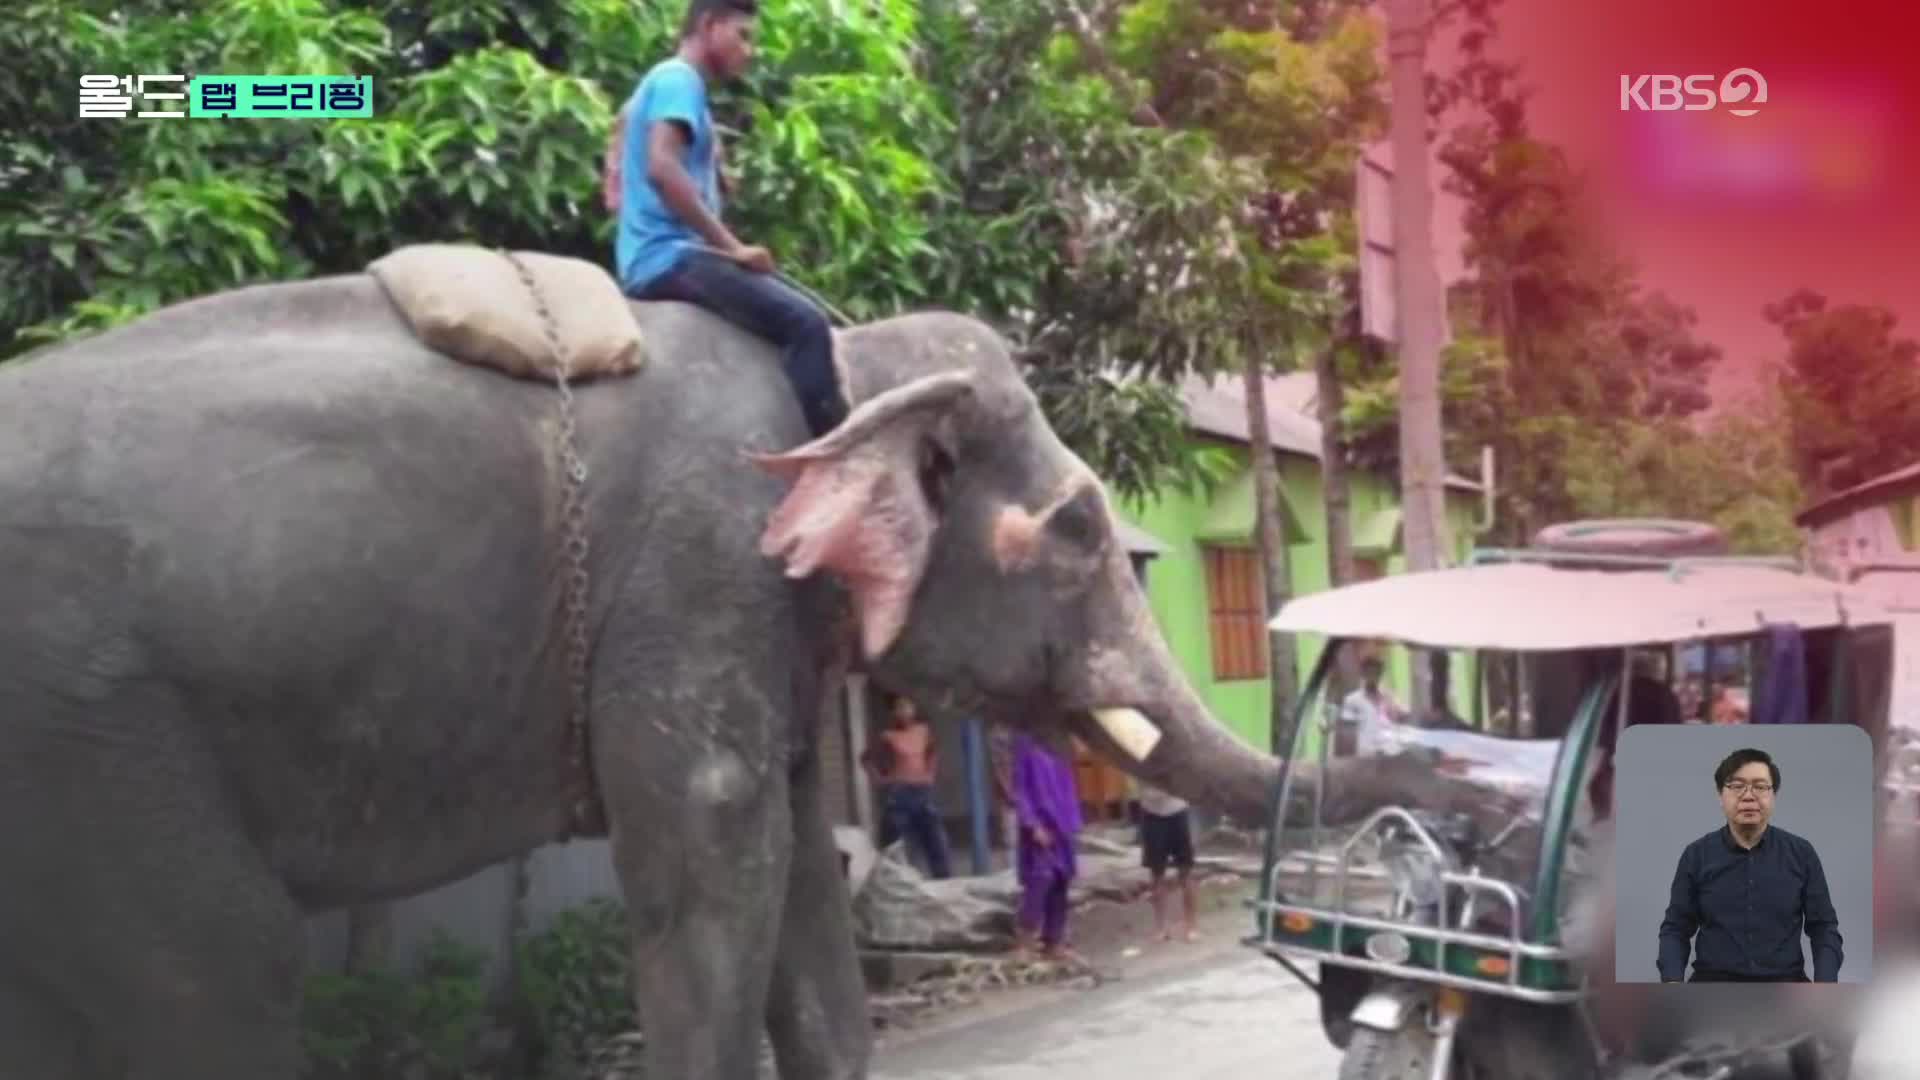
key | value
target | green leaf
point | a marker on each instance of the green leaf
(263, 251)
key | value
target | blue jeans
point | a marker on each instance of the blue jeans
(910, 814)
(769, 308)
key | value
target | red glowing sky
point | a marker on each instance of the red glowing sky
(1820, 188)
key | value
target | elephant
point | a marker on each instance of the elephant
(286, 626)
(286, 630)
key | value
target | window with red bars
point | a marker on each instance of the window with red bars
(1236, 613)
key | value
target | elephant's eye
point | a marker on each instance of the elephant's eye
(936, 475)
(1080, 521)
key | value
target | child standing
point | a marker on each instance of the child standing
(1166, 839)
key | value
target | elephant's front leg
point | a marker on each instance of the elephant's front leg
(817, 1008)
(700, 847)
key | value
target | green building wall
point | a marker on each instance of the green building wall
(1186, 522)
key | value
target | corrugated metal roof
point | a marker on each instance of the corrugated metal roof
(1837, 505)
(1217, 405)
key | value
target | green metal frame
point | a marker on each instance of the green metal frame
(1538, 968)
(1563, 798)
(1276, 819)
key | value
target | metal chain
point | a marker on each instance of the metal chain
(587, 811)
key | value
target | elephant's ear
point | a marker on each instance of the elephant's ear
(857, 508)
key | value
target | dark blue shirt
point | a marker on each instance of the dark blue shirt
(1748, 906)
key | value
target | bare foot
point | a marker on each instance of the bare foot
(1193, 935)
(1060, 954)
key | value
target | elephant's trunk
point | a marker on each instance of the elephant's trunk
(1136, 706)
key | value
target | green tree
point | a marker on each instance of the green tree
(1285, 95)
(1852, 391)
(1559, 344)
(1078, 225)
(490, 119)
(895, 155)
(1735, 472)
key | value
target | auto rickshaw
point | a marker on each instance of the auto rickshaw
(1453, 908)
(1896, 587)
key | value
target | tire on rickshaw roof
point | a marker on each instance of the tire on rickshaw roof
(1652, 537)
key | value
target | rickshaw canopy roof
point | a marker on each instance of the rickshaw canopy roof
(1534, 607)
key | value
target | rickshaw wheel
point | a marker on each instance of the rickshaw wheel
(1516, 1040)
(1373, 1054)
(1406, 1054)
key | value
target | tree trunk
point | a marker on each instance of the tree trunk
(1330, 397)
(369, 938)
(1276, 573)
(1417, 285)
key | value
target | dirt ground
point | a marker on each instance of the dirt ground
(1208, 1010)
(1111, 936)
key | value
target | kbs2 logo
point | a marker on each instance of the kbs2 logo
(1742, 87)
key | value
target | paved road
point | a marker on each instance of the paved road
(1223, 1013)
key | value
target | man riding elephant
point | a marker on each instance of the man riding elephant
(665, 180)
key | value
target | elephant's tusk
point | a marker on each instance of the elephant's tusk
(1127, 727)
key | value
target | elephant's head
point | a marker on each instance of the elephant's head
(982, 562)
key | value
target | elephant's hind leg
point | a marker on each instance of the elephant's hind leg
(151, 912)
(817, 1007)
(700, 850)
(40, 1038)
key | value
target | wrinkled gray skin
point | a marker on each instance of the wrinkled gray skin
(280, 631)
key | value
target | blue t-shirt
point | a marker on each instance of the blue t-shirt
(651, 239)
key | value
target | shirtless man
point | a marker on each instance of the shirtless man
(905, 767)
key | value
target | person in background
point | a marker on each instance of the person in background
(1166, 839)
(663, 178)
(1370, 710)
(1048, 811)
(1693, 698)
(905, 762)
(1729, 706)
(1441, 715)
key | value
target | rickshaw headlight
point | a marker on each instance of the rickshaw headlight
(1387, 947)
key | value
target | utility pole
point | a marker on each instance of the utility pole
(1417, 285)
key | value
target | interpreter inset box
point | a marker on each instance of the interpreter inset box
(1744, 853)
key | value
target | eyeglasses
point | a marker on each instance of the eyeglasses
(1741, 787)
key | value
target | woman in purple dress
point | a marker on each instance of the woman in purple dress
(1049, 816)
